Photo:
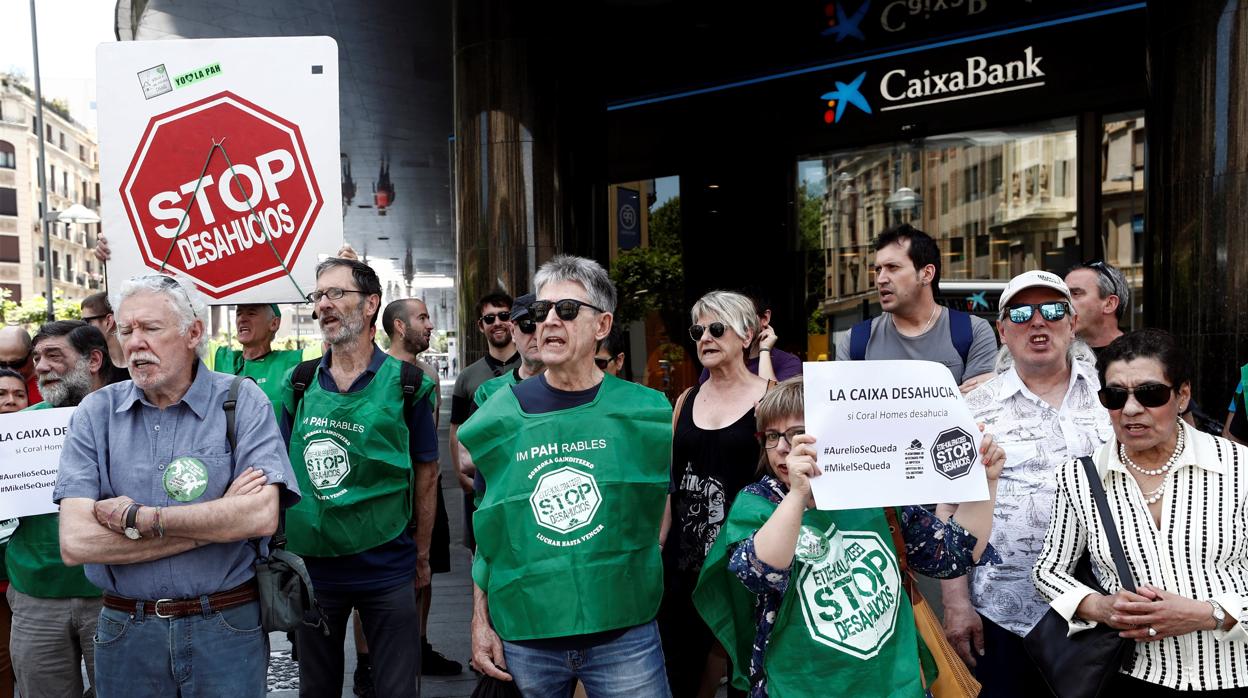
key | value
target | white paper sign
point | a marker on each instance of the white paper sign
(220, 159)
(30, 455)
(891, 433)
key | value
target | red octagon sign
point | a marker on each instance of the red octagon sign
(222, 246)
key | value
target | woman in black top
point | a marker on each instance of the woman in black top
(714, 454)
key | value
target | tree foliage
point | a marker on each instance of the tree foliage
(33, 312)
(652, 278)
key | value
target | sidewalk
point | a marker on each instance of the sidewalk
(448, 617)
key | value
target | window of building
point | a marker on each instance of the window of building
(82, 152)
(9, 249)
(8, 155)
(56, 264)
(48, 135)
(15, 292)
(990, 203)
(1123, 138)
(8, 201)
(62, 140)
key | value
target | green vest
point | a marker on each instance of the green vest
(488, 388)
(568, 529)
(845, 626)
(34, 562)
(268, 370)
(351, 456)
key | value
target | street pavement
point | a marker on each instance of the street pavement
(448, 617)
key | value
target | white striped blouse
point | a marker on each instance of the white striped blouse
(1200, 551)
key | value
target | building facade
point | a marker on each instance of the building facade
(73, 177)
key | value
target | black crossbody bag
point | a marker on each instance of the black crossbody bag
(286, 597)
(1081, 666)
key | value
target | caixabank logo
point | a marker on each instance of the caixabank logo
(843, 25)
(911, 86)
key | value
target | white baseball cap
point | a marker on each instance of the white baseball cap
(1034, 279)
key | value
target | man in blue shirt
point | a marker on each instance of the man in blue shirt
(162, 512)
(357, 444)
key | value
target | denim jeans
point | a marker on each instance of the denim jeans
(391, 621)
(630, 666)
(206, 655)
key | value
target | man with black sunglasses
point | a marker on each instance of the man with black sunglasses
(1099, 294)
(15, 354)
(1043, 410)
(494, 321)
(98, 312)
(568, 576)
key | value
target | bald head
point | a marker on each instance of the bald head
(15, 348)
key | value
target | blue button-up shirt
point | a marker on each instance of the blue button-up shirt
(120, 444)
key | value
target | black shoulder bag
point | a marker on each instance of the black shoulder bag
(286, 597)
(1081, 666)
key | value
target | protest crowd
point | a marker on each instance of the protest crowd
(621, 545)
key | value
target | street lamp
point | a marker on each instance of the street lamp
(904, 199)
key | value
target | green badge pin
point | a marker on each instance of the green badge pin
(186, 479)
(812, 546)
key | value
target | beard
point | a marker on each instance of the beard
(501, 342)
(415, 343)
(70, 387)
(350, 326)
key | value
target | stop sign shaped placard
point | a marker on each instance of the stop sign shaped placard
(227, 228)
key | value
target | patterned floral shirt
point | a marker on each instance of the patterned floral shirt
(933, 547)
(1037, 440)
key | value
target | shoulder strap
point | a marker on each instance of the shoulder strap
(899, 545)
(1107, 522)
(960, 333)
(680, 405)
(300, 379)
(859, 335)
(410, 378)
(230, 407)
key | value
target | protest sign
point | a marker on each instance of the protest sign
(891, 433)
(219, 159)
(30, 453)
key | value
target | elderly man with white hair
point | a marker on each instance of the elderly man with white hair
(568, 576)
(160, 507)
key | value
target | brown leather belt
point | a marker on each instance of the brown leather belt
(178, 608)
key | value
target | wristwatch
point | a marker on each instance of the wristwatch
(132, 515)
(1219, 615)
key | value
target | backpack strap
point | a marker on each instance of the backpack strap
(960, 333)
(230, 406)
(859, 335)
(300, 379)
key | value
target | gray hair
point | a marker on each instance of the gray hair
(586, 272)
(733, 309)
(1110, 282)
(187, 301)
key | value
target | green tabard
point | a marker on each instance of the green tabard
(350, 454)
(488, 388)
(568, 529)
(268, 370)
(845, 626)
(34, 562)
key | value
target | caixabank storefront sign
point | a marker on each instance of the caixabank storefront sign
(1033, 70)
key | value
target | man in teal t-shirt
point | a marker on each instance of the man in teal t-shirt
(54, 607)
(257, 326)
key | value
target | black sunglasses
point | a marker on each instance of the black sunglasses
(526, 325)
(602, 363)
(93, 318)
(502, 317)
(566, 309)
(1053, 310)
(696, 331)
(1148, 395)
(19, 363)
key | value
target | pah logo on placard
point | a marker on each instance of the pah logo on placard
(565, 499)
(953, 453)
(849, 601)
